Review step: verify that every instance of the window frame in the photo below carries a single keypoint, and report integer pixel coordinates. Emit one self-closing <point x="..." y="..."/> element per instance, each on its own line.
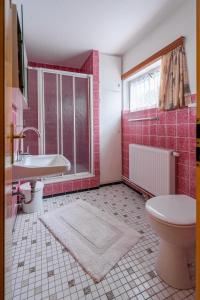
<point x="136" y="75"/>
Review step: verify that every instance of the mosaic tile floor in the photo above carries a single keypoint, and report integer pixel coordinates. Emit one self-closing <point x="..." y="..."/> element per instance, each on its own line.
<point x="43" y="269"/>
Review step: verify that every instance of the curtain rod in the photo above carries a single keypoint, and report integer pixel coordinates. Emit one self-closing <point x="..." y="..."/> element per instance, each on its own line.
<point x="154" y="57"/>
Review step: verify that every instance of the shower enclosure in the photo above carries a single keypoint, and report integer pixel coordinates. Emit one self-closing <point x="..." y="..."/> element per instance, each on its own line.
<point x="65" y="118"/>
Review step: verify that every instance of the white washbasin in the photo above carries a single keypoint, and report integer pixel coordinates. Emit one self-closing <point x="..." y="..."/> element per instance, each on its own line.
<point x="37" y="166"/>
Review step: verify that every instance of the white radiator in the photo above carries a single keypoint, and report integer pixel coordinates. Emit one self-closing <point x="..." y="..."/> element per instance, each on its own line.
<point x="152" y="169"/>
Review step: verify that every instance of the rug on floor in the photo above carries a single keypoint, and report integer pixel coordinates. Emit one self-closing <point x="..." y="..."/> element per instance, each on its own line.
<point x="96" y="239"/>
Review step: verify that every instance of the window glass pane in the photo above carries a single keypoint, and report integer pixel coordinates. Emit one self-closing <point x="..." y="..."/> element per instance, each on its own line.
<point x="144" y="88"/>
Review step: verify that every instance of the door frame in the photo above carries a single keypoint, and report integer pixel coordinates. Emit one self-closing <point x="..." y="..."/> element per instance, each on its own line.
<point x="6" y="134"/>
<point x="2" y="149"/>
<point x="198" y="167"/>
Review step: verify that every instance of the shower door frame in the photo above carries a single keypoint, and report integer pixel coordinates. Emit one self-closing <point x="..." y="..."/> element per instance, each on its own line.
<point x="41" y="120"/>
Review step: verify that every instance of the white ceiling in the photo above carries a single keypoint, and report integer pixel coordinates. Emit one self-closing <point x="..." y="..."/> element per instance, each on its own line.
<point x="63" y="31"/>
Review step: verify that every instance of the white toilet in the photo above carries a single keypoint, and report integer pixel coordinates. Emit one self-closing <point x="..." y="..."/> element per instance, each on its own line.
<point x="173" y="218"/>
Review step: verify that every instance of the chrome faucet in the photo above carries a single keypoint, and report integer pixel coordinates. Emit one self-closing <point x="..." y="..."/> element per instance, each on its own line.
<point x="21" y="134"/>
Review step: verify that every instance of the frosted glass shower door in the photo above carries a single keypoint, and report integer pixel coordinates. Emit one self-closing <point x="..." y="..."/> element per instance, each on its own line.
<point x="82" y="130"/>
<point x="64" y="118"/>
<point x="67" y="119"/>
<point x="51" y="127"/>
<point x="75" y="122"/>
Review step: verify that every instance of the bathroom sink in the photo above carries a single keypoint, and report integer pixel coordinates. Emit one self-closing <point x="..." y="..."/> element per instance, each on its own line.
<point x="38" y="166"/>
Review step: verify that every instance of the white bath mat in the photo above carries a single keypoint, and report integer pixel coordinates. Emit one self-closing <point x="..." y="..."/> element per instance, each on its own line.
<point x="96" y="240"/>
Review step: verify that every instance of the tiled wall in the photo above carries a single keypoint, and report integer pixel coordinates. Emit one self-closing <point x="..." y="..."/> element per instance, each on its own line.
<point x="175" y="129"/>
<point x="30" y="115"/>
<point x="18" y="104"/>
<point x="91" y="66"/>
<point x="53" y="67"/>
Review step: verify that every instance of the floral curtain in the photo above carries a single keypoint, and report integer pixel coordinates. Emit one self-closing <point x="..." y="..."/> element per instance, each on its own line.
<point x="174" y="84"/>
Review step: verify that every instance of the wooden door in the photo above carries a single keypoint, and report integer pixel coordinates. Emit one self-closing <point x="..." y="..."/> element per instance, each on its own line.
<point x="5" y="148"/>
<point x="198" y="156"/>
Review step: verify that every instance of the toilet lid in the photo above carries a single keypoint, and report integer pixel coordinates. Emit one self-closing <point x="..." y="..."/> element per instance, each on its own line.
<point x="175" y="209"/>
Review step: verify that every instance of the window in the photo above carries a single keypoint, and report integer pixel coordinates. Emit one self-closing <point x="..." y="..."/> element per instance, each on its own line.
<point x="143" y="88"/>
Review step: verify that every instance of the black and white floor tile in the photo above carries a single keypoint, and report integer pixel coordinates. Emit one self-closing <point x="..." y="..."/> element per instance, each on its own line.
<point x="43" y="269"/>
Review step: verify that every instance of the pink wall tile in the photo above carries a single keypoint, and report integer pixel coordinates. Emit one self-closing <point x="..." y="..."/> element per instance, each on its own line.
<point x="161" y="130"/>
<point x="193" y="188"/>
<point x="192" y="144"/>
<point x="54" y="67"/>
<point x="77" y="185"/>
<point x="174" y="130"/>
<point x="171" y="117"/>
<point x="146" y="140"/>
<point x="182" y="115"/>
<point x="182" y="144"/>
<point x="192" y="130"/>
<point x="182" y="130"/>
<point x="183" y="186"/>
<point x="192" y="159"/>
<point x="184" y="158"/>
<point x="170" y="142"/>
<point x="57" y="188"/>
<point x="67" y="186"/>
<point x="183" y="170"/>
<point x="153" y="130"/>
<point x="153" y="140"/>
<point x="145" y="130"/>
<point x="192" y="115"/>
<point x="48" y="190"/>
<point x="192" y="175"/>
<point x="161" y="141"/>
<point x="162" y="118"/>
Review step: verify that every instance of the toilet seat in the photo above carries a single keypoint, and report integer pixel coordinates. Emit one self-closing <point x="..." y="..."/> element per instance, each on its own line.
<point x="173" y="209"/>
